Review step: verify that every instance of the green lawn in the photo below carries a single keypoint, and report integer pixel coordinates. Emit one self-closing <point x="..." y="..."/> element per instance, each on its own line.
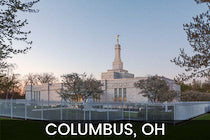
<point x="198" y="128"/>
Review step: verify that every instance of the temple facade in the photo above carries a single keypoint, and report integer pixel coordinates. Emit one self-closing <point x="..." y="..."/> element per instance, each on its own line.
<point x="118" y="85"/>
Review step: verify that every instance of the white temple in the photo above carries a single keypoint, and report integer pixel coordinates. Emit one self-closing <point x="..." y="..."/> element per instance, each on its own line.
<point x="118" y="85"/>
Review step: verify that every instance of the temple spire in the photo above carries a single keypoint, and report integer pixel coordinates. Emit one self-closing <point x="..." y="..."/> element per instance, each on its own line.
<point x="117" y="64"/>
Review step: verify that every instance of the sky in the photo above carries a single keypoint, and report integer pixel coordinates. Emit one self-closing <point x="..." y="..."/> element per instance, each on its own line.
<point x="79" y="36"/>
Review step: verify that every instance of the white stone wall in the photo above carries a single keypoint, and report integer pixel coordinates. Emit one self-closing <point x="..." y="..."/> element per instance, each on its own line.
<point x="43" y="89"/>
<point x="116" y="74"/>
<point x="132" y="93"/>
<point x="107" y="75"/>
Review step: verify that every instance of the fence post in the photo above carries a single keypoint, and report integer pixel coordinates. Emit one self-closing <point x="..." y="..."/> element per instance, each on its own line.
<point x="174" y="111"/>
<point x="146" y="112"/>
<point x="107" y="113"/>
<point x="89" y="112"/>
<point x="11" y="104"/>
<point x="166" y="107"/>
<point x="122" y="113"/>
<point x="42" y="113"/>
<point x="84" y="108"/>
<point x="25" y="109"/>
<point x="129" y="110"/>
<point x="61" y="110"/>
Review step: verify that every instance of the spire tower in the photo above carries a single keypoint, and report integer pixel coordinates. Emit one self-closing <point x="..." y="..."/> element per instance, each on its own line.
<point x="117" y="64"/>
<point x="117" y="71"/>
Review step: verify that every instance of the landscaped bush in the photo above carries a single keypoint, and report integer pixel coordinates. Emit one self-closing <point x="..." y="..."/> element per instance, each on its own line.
<point x="195" y="96"/>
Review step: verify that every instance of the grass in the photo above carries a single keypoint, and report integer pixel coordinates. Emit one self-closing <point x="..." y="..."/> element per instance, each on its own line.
<point x="205" y="117"/>
<point x="132" y="114"/>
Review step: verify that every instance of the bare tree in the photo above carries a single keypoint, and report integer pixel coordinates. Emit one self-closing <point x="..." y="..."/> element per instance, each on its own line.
<point x="8" y="84"/>
<point x="155" y="89"/>
<point x="80" y="86"/>
<point x="46" y="78"/>
<point x="92" y="88"/>
<point x="31" y="79"/>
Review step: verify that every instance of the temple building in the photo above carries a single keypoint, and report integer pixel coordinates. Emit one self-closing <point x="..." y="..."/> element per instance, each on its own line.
<point x="118" y="85"/>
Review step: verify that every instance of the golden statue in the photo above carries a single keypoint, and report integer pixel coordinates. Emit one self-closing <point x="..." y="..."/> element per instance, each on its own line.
<point x="118" y="38"/>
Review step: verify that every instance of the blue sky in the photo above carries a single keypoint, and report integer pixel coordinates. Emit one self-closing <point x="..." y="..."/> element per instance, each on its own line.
<point x="79" y="36"/>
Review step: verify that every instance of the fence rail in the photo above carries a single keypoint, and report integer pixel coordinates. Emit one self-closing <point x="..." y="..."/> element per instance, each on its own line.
<point x="106" y="111"/>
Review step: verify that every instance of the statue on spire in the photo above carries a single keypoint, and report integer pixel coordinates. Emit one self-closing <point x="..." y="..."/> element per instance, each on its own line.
<point x="118" y="39"/>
